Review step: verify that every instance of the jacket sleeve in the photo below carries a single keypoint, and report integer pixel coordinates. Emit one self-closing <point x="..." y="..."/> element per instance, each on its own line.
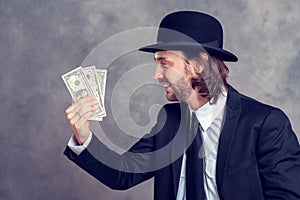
<point x="278" y="156"/>
<point x="109" y="167"/>
<point x="129" y="169"/>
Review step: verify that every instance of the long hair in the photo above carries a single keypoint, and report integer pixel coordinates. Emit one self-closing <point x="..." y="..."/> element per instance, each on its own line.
<point x="213" y="79"/>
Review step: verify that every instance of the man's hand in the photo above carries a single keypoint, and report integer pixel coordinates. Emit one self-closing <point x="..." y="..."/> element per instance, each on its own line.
<point x="78" y="114"/>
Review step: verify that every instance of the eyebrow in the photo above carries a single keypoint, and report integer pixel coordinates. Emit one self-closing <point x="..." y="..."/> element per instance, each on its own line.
<point x="159" y="58"/>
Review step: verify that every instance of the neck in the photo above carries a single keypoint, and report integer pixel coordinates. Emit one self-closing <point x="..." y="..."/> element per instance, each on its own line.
<point x="195" y="101"/>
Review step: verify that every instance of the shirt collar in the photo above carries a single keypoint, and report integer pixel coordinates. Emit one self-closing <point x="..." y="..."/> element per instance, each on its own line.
<point x="207" y="113"/>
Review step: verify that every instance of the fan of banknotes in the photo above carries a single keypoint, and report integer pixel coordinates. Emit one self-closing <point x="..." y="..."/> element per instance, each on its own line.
<point x="88" y="81"/>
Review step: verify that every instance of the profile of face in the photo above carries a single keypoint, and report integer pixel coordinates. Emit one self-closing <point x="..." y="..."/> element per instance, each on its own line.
<point x="174" y="74"/>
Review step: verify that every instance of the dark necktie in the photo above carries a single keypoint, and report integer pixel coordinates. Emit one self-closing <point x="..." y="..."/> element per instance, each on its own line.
<point x="194" y="164"/>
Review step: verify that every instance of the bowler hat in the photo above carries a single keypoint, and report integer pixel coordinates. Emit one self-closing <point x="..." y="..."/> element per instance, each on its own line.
<point x="185" y="30"/>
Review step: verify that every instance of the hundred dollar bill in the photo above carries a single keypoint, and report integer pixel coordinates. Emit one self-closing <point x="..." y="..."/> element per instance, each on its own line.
<point x="79" y="87"/>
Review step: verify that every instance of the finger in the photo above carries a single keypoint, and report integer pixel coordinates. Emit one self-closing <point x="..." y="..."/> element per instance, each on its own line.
<point x="75" y="116"/>
<point x="73" y="109"/>
<point x="79" y="102"/>
<point x="84" y="118"/>
<point x="81" y="124"/>
<point x="81" y="128"/>
<point x="87" y="107"/>
<point x="80" y="110"/>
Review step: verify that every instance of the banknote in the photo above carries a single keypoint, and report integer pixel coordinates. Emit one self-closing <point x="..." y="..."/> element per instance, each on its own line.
<point x="90" y="73"/>
<point x="79" y="87"/>
<point x="101" y="80"/>
<point x="101" y="76"/>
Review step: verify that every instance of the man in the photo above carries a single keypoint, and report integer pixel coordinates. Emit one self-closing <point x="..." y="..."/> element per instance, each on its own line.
<point x="230" y="146"/>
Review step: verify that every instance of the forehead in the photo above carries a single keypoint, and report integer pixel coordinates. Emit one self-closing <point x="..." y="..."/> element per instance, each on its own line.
<point x="168" y="55"/>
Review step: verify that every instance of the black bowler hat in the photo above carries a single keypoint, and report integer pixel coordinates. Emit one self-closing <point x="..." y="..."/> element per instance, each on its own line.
<point x="185" y="30"/>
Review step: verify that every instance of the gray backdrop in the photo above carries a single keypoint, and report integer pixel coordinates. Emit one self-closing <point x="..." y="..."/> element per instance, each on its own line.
<point x="41" y="40"/>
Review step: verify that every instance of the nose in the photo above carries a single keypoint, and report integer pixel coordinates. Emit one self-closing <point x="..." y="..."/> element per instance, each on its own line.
<point x="158" y="74"/>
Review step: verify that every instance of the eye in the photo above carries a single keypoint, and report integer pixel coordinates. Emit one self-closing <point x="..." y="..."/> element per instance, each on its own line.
<point x="164" y="64"/>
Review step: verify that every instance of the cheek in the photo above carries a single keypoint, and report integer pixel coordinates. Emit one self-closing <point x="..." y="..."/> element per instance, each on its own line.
<point x="173" y="75"/>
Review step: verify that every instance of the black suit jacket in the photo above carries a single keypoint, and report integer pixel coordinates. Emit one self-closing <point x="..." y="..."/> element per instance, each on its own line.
<point x="258" y="154"/>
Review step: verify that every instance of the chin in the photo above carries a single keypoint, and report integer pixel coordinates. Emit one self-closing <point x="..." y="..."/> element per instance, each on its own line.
<point x="171" y="97"/>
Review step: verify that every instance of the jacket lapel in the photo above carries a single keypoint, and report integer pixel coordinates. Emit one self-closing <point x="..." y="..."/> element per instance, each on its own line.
<point x="233" y="107"/>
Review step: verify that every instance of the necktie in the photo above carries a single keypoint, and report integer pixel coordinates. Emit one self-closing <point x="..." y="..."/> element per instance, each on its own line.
<point x="194" y="164"/>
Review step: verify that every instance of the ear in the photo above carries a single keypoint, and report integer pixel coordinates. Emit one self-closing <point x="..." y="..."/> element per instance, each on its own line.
<point x="204" y="57"/>
<point x="195" y="68"/>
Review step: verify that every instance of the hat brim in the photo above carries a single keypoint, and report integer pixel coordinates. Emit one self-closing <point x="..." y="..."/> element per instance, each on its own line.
<point x="221" y="53"/>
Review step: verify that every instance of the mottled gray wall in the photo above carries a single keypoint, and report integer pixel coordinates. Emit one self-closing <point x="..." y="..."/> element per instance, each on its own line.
<point x="40" y="40"/>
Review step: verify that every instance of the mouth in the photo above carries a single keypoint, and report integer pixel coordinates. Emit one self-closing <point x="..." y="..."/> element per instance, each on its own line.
<point x="165" y="84"/>
<point x="167" y="87"/>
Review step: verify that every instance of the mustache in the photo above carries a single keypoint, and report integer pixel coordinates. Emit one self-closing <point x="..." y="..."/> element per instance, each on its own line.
<point x="198" y="83"/>
<point x="164" y="82"/>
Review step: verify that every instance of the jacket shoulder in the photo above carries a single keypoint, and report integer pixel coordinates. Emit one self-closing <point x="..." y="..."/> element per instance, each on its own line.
<point x="253" y="109"/>
<point x="253" y="106"/>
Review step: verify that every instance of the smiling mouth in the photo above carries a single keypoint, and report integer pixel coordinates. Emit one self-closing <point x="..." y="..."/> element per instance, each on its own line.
<point x="165" y="84"/>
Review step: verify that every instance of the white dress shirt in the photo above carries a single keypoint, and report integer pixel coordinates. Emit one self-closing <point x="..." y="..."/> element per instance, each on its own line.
<point x="79" y="148"/>
<point x="210" y="117"/>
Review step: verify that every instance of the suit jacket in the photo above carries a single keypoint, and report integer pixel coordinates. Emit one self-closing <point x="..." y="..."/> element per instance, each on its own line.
<point x="258" y="154"/>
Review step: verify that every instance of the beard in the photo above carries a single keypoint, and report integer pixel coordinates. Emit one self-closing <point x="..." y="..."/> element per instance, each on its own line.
<point x="179" y="91"/>
<point x="182" y="89"/>
<point x="171" y="96"/>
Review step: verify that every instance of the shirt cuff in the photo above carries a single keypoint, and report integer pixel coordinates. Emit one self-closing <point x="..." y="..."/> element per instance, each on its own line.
<point x="77" y="149"/>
